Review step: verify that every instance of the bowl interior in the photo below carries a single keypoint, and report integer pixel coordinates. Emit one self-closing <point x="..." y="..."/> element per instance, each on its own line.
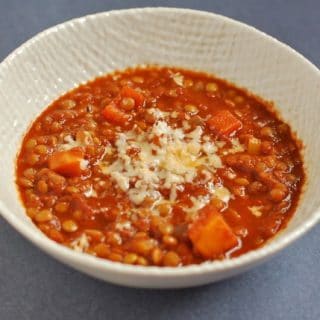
<point x="61" y="58"/>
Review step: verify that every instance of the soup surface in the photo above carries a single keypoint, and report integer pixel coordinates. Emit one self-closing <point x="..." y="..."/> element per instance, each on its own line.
<point x="160" y="166"/>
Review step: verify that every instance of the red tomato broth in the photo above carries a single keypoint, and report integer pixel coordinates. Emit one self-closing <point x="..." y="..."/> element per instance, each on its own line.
<point x="87" y="209"/>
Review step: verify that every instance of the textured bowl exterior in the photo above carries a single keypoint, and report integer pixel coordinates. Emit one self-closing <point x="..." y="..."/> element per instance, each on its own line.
<point x="60" y="58"/>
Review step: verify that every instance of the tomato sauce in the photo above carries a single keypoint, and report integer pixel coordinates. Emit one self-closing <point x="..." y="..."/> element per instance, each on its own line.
<point x="160" y="166"/>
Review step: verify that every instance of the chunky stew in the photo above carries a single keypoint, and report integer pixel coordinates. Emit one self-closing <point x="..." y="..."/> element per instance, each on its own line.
<point x="160" y="166"/>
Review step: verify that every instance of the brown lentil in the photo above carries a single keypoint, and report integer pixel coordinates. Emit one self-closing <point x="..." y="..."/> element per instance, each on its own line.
<point x="69" y="226"/>
<point x="130" y="258"/>
<point x="61" y="207"/>
<point x="266" y="132"/>
<point x="31" y="143"/>
<point x="43" y="216"/>
<point x="102" y="250"/>
<point x="29" y="173"/>
<point x="211" y="86"/>
<point x="31" y="212"/>
<point x="165" y="228"/>
<point x="241" y="181"/>
<point x="115" y="257"/>
<point x="142" y="246"/>
<point x="142" y="261"/>
<point x="95" y="235"/>
<point x="24" y="182"/>
<point x="169" y="241"/>
<point x="260" y="167"/>
<point x="68" y="104"/>
<point x="41" y="149"/>
<point x="157" y="256"/>
<point x="127" y="104"/>
<point x="42" y="186"/>
<point x="277" y="194"/>
<point x="171" y="259"/>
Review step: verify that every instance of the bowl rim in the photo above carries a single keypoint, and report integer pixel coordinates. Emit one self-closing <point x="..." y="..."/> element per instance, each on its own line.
<point x="75" y="258"/>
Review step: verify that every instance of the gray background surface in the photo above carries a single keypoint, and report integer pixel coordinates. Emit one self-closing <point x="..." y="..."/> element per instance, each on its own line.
<point x="34" y="286"/>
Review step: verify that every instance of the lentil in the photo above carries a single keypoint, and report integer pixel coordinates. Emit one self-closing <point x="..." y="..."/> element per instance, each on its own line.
<point x="130" y="258"/>
<point x="42" y="186"/>
<point x="68" y="104"/>
<point x="41" y="149"/>
<point x="225" y="162"/>
<point x="115" y="257"/>
<point x="69" y="226"/>
<point x="31" y="143"/>
<point x="43" y="216"/>
<point x="266" y="132"/>
<point x="212" y="87"/>
<point x="95" y="235"/>
<point x="127" y="104"/>
<point x="191" y="108"/>
<point x="142" y="261"/>
<point x="61" y="207"/>
<point x="101" y="250"/>
<point x="171" y="259"/>
<point x="29" y="173"/>
<point x="157" y="256"/>
<point x="169" y="241"/>
<point x="24" y="182"/>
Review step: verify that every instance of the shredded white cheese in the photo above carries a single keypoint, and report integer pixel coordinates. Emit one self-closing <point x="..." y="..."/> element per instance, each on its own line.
<point x="157" y="113"/>
<point x="90" y="193"/>
<point x="167" y="158"/>
<point x="178" y="79"/>
<point x="71" y="143"/>
<point x="256" y="210"/>
<point x="80" y="244"/>
<point x="236" y="147"/>
<point x="222" y="193"/>
<point x="126" y="225"/>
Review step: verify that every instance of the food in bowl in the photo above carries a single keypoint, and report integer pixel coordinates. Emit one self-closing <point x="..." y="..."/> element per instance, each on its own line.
<point x="160" y="166"/>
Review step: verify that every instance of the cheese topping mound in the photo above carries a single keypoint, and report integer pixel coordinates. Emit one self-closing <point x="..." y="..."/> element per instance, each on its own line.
<point x="146" y="163"/>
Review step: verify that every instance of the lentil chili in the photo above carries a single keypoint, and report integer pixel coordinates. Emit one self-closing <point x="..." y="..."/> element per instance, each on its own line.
<point x="160" y="166"/>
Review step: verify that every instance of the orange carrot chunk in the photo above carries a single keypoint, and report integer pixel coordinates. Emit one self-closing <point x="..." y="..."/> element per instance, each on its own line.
<point x="113" y="114"/>
<point x="127" y="92"/>
<point x="210" y="235"/>
<point x="68" y="163"/>
<point x="224" y="123"/>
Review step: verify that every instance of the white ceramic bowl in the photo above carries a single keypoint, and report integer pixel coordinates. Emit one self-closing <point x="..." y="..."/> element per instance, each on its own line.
<point x="60" y="58"/>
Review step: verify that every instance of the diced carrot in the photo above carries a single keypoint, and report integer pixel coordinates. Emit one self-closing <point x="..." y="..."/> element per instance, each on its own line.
<point x="113" y="114"/>
<point x="224" y="123"/>
<point x="68" y="163"/>
<point x="127" y="92"/>
<point x="210" y="235"/>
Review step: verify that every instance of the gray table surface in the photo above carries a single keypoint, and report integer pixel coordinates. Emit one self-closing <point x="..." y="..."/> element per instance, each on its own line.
<point x="34" y="286"/>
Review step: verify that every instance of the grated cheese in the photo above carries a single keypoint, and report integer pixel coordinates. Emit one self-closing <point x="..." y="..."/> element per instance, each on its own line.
<point x="80" y="244"/>
<point x="178" y="78"/>
<point x="84" y="164"/>
<point x="169" y="163"/>
<point x="256" y="210"/>
<point x="222" y="193"/>
<point x="236" y="147"/>
<point x="90" y="193"/>
<point x="71" y="143"/>
<point x="158" y="114"/>
<point x="174" y="114"/>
